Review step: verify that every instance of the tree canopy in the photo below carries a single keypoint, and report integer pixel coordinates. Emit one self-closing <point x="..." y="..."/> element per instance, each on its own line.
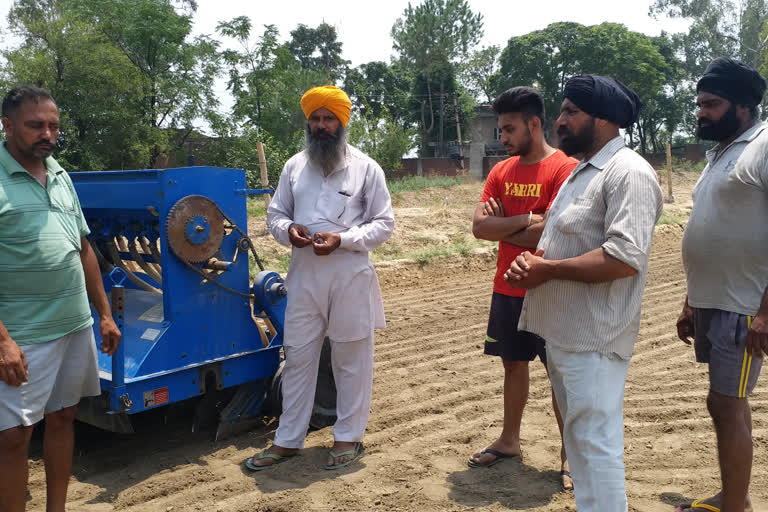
<point x="136" y="87"/>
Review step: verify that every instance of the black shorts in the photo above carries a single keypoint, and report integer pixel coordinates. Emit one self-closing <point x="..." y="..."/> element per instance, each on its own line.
<point x="503" y="339"/>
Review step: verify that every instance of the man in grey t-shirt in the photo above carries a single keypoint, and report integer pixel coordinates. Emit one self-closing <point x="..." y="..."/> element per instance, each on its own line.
<point x="725" y="249"/>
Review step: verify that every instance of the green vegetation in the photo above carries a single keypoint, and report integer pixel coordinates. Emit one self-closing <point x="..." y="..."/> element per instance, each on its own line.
<point x="425" y="256"/>
<point x="256" y="207"/>
<point x="279" y="264"/>
<point x="671" y="219"/>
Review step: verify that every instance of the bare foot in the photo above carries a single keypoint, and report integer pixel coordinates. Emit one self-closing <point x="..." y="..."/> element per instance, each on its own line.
<point x="714" y="501"/>
<point x="259" y="459"/>
<point x="508" y="449"/>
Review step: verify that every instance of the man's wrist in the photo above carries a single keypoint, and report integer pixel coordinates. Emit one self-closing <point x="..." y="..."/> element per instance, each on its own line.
<point x="550" y="269"/>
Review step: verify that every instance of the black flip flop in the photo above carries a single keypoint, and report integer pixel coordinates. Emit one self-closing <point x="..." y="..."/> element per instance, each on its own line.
<point x="496" y="453"/>
<point x="565" y="472"/>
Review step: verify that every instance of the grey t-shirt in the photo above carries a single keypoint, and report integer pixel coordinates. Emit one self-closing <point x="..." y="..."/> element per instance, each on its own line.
<point x="725" y="245"/>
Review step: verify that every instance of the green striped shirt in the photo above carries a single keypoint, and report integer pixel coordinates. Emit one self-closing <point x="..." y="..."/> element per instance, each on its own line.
<point x="42" y="284"/>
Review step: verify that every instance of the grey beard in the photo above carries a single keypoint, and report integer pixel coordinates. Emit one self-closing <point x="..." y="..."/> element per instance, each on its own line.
<point x="327" y="150"/>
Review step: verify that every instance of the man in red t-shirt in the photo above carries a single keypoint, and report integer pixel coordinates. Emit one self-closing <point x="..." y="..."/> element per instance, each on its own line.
<point x="516" y="197"/>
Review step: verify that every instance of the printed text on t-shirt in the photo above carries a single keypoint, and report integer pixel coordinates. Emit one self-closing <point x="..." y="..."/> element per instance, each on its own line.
<point x="522" y="189"/>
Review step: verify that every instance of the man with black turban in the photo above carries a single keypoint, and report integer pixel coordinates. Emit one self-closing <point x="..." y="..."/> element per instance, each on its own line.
<point x="725" y="253"/>
<point x="585" y="282"/>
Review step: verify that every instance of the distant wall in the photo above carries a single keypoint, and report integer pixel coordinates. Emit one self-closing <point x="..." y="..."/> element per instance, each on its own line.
<point x="433" y="167"/>
<point x="450" y="166"/>
<point x="489" y="162"/>
<point x="693" y="153"/>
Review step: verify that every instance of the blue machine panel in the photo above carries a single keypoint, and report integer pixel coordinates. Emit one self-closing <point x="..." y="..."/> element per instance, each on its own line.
<point x="180" y="332"/>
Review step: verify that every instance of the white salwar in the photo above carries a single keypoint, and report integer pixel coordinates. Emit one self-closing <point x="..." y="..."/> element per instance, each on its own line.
<point x="336" y="295"/>
<point x="589" y="388"/>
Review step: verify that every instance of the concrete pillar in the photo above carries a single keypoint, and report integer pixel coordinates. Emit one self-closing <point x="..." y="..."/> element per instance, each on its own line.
<point x="476" y="155"/>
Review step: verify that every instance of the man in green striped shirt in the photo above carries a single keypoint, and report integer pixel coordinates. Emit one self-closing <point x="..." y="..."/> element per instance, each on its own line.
<point x="48" y="271"/>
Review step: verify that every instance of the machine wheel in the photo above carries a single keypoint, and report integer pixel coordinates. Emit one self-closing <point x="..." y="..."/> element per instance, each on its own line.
<point x="324" y="409"/>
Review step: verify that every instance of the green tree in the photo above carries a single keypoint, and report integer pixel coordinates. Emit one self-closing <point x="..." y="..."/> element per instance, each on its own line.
<point x="547" y="58"/>
<point x="267" y="82"/>
<point x="381" y="139"/>
<point x="431" y="39"/>
<point x="318" y="49"/>
<point x="476" y="75"/>
<point x="239" y="151"/>
<point x="251" y="70"/>
<point x="178" y="71"/>
<point x="379" y="89"/>
<point x="718" y="28"/>
<point x="101" y="114"/>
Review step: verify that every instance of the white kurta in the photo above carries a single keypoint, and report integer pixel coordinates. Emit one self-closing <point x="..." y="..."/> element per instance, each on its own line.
<point x="337" y="295"/>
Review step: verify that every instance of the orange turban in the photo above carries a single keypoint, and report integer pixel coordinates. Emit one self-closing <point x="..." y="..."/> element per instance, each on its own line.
<point x="330" y="97"/>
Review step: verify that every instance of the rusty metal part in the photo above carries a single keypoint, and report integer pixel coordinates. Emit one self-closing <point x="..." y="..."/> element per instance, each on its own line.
<point x="215" y="264"/>
<point x="151" y="272"/>
<point x="182" y="215"/>
<point x="118" y="261"/>
<point x="151" y="249"/>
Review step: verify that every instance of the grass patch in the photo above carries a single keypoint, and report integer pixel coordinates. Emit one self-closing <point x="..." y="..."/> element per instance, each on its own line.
<point x="415" y="183"/>
<point x="425" y="256"/>
<point x="670" y="219"/>
<point x="386" y="252"/>
<point x="463" y="249"/>
<point x="255" y="207"/>
<point x="279" y="264"/>
<point x="683" y="165"/>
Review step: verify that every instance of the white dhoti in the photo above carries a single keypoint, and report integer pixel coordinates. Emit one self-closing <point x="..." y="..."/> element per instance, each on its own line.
<point x="336" y="296"/>
<point x="352" y="363"/>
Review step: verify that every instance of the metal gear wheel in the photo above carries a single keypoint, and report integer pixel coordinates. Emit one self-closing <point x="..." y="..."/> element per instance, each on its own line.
<point x="194" y="228"/>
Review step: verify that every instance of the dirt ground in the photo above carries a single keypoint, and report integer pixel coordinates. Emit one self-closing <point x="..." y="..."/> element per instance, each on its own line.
<point x="436" y="400"/>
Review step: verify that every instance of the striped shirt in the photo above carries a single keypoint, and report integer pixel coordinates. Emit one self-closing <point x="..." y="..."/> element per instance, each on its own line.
<point x="42" y="284"/>
<point x="611" y="201"/>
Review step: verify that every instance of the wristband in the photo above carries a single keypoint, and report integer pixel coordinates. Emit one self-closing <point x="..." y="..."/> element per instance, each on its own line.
<point x="530" y="217"/>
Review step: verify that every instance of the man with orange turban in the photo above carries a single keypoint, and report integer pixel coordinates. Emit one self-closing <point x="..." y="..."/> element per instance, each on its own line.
<point x="333" y="207"/>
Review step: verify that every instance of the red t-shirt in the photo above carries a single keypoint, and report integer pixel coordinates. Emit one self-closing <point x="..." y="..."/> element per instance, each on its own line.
<point x="524" y="188"/>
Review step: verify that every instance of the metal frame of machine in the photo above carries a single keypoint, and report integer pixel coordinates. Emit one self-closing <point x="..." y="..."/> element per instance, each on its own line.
<point x="175" y="256"/>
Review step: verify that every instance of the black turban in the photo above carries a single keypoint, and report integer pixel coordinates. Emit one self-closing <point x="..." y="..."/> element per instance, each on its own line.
<point x="604" y="97"/>
<point x="734" y="81"/>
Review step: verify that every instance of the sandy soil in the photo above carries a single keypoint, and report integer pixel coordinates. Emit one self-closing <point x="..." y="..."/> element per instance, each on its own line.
<point x="436" y="400"/>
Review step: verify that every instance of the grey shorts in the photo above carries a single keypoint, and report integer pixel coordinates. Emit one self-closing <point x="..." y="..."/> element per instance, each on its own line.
<point x="721" y="340"/>
<point x="61" y="372"/>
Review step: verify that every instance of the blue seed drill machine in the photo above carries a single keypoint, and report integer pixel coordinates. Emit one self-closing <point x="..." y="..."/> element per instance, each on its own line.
<point x="174" y="255"/>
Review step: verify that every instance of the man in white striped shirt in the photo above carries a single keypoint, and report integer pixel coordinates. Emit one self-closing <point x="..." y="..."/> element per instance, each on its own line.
<point x="585" y="282"/>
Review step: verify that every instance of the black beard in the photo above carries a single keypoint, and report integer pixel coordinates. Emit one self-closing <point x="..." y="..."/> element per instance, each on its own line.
<point x="525" y="146"/>
<point x="575" y="143"/>
<point x="326" y="149"/>
<point x="723" y="128"/>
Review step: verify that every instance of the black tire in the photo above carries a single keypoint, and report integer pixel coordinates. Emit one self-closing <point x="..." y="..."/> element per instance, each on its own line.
<point x="324" y="408"/>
